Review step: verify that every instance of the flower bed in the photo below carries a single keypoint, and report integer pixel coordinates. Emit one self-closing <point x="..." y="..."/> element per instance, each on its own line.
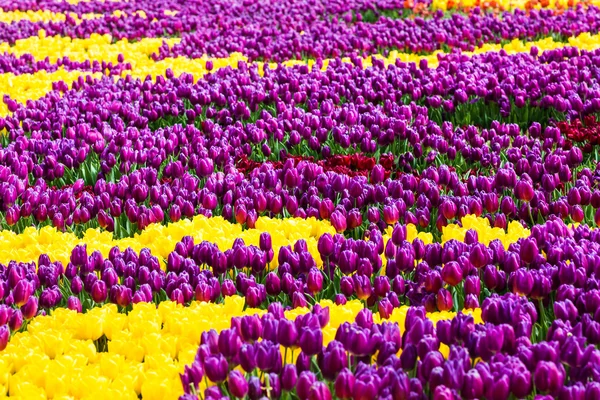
<point x="299" y="200"/>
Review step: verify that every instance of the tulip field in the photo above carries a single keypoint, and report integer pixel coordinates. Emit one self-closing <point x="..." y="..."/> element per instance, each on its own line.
<point x="300" y="199"/>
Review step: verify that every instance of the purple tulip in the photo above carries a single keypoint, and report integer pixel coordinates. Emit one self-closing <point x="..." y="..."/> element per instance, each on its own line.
<point x="237" y="384"/>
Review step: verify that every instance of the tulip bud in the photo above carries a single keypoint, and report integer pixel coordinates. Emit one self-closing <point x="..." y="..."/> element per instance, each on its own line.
<point x="338" y="220"/>
<point x="241" y="214"/>
<point x="74" y="304"/>
<point x="319" y="391"/>
<point x="216" y="368"/>
<point x="311" y="341"/>
<point x="325" y="245"/>
<point x="289" y="377"/>
<point x="304" y="383"/>
<point x="472" y="285"/>
<point x="22" y="292"/>
<point x="273" y="284"/>
<point x="237" y="384"/>
<point x="340" y="299"/>
<point x="479" y="255"/>
<point x="385" y="308"/>
<point x="529" y="250"/>
<point x="344" y="384"/>
<point x="30" y="308"/>
<point x="377" y="174"/>
<point x="444" y="300"/>
<point x="4" y="336"/>
<point x="452" y="274"/>
<point x="228" y="288"/>
<point x="399" y="234"/>
<point x="99" y="291"/>
<point x="76" y="285"/>
<point x="15" y="321"/>
<point x="314" y="281"/>
<point x="362" y="286"/>
<point x="354" y="219"/>
<point x="265" y="241"/>
<point x="390" y="214"/>
<point x="548" y="378"/>
<point x="524" y="190"/>
<point x="373" y="215"/>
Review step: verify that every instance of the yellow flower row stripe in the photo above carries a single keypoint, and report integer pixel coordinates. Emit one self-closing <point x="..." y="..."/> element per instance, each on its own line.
<point x="95" y="48"/>
<point x="485" y="233"/>
<point x="42" y="16"/>
<point x="161" y="239"/>
<point x="50" y="16"/>
<point x="147" y="349"/>
<point x="34" y="86"/>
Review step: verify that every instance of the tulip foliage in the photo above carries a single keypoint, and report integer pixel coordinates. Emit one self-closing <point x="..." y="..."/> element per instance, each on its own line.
<point x="293" y="199"/>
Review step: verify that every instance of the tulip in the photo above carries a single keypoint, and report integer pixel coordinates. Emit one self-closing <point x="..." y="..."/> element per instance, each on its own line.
<point x="479" y="256"/>
<point x="4" y="336"/>
<point x="340" y="299"/>
<point x="311" y="341"/>
<point x="289" y="377"/>
<point x="448" y="209"/>
<point x="390" y="214"/>
<point x="228" y="288"/>
<point x="272" y="284"/>
<point x="472" y="285"/>
<point x="442" y="393"/>
<point x="377" y="174"/>
<point x="408" y="357"/>
<point x="325" y="245"/>
<point x="268" y="356"/>
<point x="373" y="215"/>
<point x="398" y="234"/>
<point x="522" y="282"/>
<point x="319" y="391"/>
<point x="548" y="378"/>
<point x="21" y="292"/>
<point x="99" y="292"/>
<point x="529" y="250"/>
<point x="229" y="343"/>
<point x="362" y="286"/>
<point x="15" y="321"/>
<point x="473" y="385"/>
<point x="444" y="300"/>
<point x="216" y="368"/>
<point x="344" y="384"/>
<point x="385" y="308"/>
<point x="298" y="300"/>
<point x="524" y="191"/>
<point x="305" y="382"/>
<point x="366" y="386"/>
<point x="471" y="302"/>
<point x="265" y="241"/>
<point x="452" y="273"/>
<point x="314" y="281"/>
<point x="192" y="376"/>
<point x="29" y="309"/>
<point x="338" y="220"/>
<point x="247" y="357"/>
<point x="237" y="384"/>
<point x="253" y="297"/>
<point x="74" y="304"/>
<point x="250" y="328"/>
